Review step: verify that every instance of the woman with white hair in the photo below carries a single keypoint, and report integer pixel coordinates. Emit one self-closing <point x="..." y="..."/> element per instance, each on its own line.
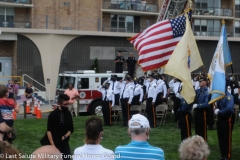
<point x="194" y="148"/>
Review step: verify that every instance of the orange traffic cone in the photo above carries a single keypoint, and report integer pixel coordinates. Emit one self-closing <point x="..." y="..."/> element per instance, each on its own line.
<point x="14" y="114"/>
<point x="39" y="113"/>
<point x="28" y="108"/>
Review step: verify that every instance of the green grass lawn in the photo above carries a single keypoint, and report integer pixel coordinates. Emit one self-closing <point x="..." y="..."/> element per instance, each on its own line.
<point x="167" y="137"/>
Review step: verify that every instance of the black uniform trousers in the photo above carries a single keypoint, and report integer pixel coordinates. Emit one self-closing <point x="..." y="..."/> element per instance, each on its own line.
<point x="135" y="101"/>
<point x="118" y="69"/>
<point x="107" y="111"/>
<point x="65" y="149"/>
<point x="151" y="115"/>
<point x="224" y="131"/>
<point x="210" y="119"/>
<point x="185" y="120"/>
<point x="117" y="97"/>
<point x="176" y="106"/>
<point x="200" y="120"/>
<point x="131" y="71"/>
<point x="125" y="111"/>
<point x="159" y="99"/>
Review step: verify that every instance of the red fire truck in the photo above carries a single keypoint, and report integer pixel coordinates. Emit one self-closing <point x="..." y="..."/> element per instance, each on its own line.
<point x="87" y="83"/>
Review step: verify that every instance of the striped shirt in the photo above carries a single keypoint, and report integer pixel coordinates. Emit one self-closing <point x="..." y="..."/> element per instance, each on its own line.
<point x="139" y="150"/>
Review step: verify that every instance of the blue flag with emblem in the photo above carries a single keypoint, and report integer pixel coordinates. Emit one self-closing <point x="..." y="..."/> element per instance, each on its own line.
<point x="216" y="73"/>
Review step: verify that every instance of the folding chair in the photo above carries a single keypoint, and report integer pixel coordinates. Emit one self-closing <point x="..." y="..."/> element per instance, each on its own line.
<point x="161" y="113"/>
<point x="170" y="104"/>
<point x="143" y="106"/>
<point x="116" y="115"/>
<point x="136" y="108"/>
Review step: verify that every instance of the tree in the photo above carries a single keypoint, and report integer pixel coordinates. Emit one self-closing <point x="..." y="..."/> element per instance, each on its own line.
<point x="95" y="65"/>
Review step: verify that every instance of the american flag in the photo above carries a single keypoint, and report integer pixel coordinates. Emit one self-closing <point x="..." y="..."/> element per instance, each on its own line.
<point x="156" y="44"/>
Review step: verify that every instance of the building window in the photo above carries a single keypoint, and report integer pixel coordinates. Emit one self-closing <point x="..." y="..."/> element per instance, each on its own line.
<point x="237" y="8"/>
<point x="207" y="27"/>
<point x="124" y="23"/>
<point x="7" y="14"/>
<point x="237" y="28"/>
<point x="207" y="4"/>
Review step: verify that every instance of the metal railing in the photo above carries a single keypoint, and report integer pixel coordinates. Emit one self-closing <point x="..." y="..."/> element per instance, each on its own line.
<point x="6" y="78"/>
<point x="47" y="90"/>
<point x="17" y="1"/>
<point x="130" y="5"/>
<point x="211" y="11"/>
<point x="15" y="24"/>
<point x="211" y="33"/>
<point x="123" y="30"/>
<point x="237" y="14"/>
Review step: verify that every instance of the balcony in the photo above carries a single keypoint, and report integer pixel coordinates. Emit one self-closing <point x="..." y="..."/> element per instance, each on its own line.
<point x="123" y="30"/>
<point x="214" y="33"/>
<point x="129" y="7"/>
<point x="16" y="3"/>
<point x="213" y="13"/>
<point x="237" y="14"/>
<point x="15" y="24"/>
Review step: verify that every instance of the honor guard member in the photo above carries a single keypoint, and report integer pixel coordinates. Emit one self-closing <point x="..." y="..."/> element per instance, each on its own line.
<point x="107" y="102"/>
<point x="162" y="91"/>
<point x="126" y="100"/>
<point x="185" y="117"/>
<point x="224" y="111"/>
<point x="119" y="60"/>
<point x="151" y="98"/>
<point x="177" y="87"/>
<point x="116" y="87"/>
<point x="200" y="107"/>
<point x="137" y="92"/>
<point x="131" y="64"/>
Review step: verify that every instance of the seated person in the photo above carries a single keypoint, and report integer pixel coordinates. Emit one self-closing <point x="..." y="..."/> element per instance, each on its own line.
<point x="6" y="107"/>
<point x="92" y="150"/>
<point x="194" y="148"/>
<point x="139" y="129"/>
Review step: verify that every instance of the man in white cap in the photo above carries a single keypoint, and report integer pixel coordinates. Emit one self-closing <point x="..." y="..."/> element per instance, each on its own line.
<point x="139" y="148"/>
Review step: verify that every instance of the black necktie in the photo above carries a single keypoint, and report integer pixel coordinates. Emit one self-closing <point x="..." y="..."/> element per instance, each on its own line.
<point x="123" y="90"/>
<point x="105" y="96"/>
<point x="113" y="86"/>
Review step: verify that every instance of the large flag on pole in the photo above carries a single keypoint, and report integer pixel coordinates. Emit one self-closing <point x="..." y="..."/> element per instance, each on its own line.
<point x="185" y="59"/>
<point x="156" y="44"/>
<point x="216" y="73"/>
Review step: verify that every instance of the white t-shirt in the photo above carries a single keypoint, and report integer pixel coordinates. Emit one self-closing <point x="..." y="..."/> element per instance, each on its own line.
<point x="93" y="152"/>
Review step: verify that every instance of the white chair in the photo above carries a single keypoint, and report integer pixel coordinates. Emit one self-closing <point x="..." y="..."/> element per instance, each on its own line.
<point x="197" y="33"/>
<point x="161" y="113"/>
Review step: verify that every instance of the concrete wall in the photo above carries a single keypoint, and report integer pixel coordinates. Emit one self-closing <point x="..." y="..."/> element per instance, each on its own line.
<point x="67" y="14"/>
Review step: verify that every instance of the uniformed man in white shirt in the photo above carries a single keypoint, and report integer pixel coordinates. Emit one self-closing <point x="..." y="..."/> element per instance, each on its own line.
<point x="137" y="92"/>
<point x="161" y="90"/>
<point x="151" y="98"/>
<point x="126" y="100"/>
<point x="116" y="87"/>
<point x="108" y="101"/>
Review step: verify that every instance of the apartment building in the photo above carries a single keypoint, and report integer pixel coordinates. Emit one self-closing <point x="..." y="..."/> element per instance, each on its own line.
<point x="41" y="38"/>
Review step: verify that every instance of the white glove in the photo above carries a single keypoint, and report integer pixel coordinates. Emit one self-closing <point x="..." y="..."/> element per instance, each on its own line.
<point x="216" y="111"/>
<point x="178" y="96"/>
<point x="108" y="79"/>
<point x="194" y="106"/>
<point x="173" y="112"/>
<point x="235" y="91"/>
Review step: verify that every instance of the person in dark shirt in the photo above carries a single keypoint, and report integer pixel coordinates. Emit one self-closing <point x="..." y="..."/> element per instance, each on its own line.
<point x="60" y="127"/>
<point x="131" y="64"/>
<point x="119" y="60"/>
<point x="28" y="91"/>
